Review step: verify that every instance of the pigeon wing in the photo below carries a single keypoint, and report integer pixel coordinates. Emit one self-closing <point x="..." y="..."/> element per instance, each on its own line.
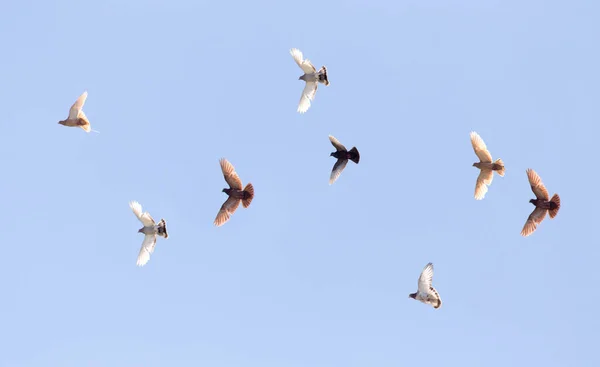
<point x="338" y="146"/>
<point x="483" y="180"/>
<point x="337" y="169"/>
<point x="231" y="177"/>
<point x="146" y="250"/>
<point x="480" y="148"/>
<point x="305" y="65"/>
<point x="145" y="218"/>
<point x="308" y="94"/>
<point x="536" y="217"/>
<point x="227" y="209"/>
<point x="425" y="279"/>
<point x="77" y="106"/>
<point x="537" y="186"/>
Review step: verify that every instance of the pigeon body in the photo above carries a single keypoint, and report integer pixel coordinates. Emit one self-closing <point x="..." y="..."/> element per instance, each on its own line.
<point x="150" y="231"/>
<point x="426" y="293"/>
<point x="342" y="155"/>
<point x="76" y="116"/>
<point x="543" y="204"/>
<point x="486" y="166"/>
<point x="311" y="76"/>
<point x="235" y="193"/>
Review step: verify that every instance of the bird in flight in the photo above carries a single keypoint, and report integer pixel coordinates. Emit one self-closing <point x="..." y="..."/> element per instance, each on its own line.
<point x="426" y="293"/>
<point x="235" y="193"/>
<point x="76" y="116"/>
<point x="542" y="204"/>
<point x="342" y="155"/>
<point x="486" y="166"/>
<point x="150" y="230"/>
<point x="311" y="76"/>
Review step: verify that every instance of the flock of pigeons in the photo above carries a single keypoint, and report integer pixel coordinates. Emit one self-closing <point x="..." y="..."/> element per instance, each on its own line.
<point x="237" y="193"/>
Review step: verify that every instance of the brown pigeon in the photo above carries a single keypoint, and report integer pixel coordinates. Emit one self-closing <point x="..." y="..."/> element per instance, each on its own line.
<point x="542" y="204"/>
<point x="76" y="116"/>
<point x="486" y="166"/>
<point x="235" y="192"/>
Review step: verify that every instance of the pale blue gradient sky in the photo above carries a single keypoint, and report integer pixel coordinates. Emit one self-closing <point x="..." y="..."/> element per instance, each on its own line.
<point x="311" y="274"/>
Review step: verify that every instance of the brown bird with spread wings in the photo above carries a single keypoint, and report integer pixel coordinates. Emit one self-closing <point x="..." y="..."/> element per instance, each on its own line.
<point x="235" y="192"/>
<point x="542" y="204"/>
<point x="486" y="166"/>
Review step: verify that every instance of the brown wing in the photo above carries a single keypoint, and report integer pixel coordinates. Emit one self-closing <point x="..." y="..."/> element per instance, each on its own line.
<point x="227" y="209"/>
<point x="536" y="217"/>
<point x="537" y="186"/>
<point x="231" y="177"/>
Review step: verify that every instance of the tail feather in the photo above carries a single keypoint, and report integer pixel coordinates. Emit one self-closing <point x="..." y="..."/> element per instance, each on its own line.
<point x="354" y="155"/>
<point x="162" y="229"/>
<point x="500" y="163"/>
<point x="556" y="200"/>
<point x="323" y="75"/>
<point x="248" y="195"/>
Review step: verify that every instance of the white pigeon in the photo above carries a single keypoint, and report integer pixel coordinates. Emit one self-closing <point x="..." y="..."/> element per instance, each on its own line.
<point x="150" y="230"/>
<point x="426" y="293"/>
<point x="76" y="116"/>
<point x="311" y="76"/>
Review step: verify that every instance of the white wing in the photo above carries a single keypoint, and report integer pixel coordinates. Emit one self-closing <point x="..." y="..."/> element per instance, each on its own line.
<point x="77" y="106"/>
<point x="145" y="218"/>
<point x="147" y="249"/>
<point x="305" y="65"/>
<point x="308" y="94"/>
<point x="425" y="279"/>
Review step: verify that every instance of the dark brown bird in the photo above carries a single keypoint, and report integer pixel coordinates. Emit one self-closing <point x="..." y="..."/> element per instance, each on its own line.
<point x="342" y="155"/>
<point x="235" y="192"/>
<point x="542" y="204"/>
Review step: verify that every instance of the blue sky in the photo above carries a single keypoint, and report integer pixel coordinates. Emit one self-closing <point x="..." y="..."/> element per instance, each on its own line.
<point x="310" y="274"/>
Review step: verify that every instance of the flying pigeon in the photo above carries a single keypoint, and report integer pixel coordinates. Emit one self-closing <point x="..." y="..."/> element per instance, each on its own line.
<point x="542" y="205"/>
<point x="485" y="165"/>
<point x="342" y="155"/>
<point x="76" y="116"/>
<point x="426" y="293"/>
<point x="311" y="76"/>
<point x="235" y="192"/>
<point x="150" y="230"/>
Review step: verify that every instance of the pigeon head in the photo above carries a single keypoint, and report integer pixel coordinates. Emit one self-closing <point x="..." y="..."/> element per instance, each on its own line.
<point x="332" y="154"/>
<point x="227" y="191"/>
<point x="141" y="230"/>
<point x="533" y="201"/>
<point x="413" y="295"/>
<point x="62" y="122"/>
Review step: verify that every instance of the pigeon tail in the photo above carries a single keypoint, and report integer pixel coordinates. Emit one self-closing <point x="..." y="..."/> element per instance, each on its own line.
<point x="162" y="229"/>
<point x="354" y="155"/>
<point x="554" y="205"/>
<point x="323" y="75"/>
<point x="248" y="195"/>
<point x="501" y="164"/>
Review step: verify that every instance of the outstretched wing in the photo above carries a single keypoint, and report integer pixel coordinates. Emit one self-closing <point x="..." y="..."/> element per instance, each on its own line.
<point x="537" y="186"/>
<point x="483" y="180"/>
<point x="338" y="146"/>
<point x="425" y="279"/>
<point x="77" y="106"/>
<point x="480" y="148"/>
<point x="536" y="217"/>
<point x="337" y="169"/>
<point x="231" y="177"/>
<point x="145" y="218"/>
<point x="305" y="65"/>
<point x="227" y="209"/>
<point x="308" y="94"/>
<point x="146" y="250"/>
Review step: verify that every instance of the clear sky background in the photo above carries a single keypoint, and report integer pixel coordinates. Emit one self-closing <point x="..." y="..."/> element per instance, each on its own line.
<point x="311" y="274"/>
